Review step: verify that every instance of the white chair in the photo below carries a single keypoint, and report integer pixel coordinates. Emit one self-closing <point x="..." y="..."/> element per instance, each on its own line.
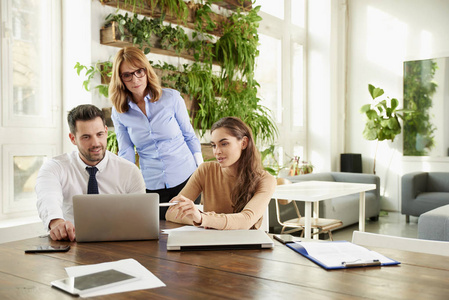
<point x="400" y="243"/>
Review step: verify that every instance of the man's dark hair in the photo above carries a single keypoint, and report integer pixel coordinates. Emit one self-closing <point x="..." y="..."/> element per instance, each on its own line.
<point x="84" y="112"/>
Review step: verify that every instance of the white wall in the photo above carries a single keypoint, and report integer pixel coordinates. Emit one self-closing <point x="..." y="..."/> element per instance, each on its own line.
<point x="382" y="35"/>
<point x="76" y="47"/>
<point x="325" y="83"/>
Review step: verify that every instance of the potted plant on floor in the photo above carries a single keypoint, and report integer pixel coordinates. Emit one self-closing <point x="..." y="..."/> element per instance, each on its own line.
<point x="382" y="118"/>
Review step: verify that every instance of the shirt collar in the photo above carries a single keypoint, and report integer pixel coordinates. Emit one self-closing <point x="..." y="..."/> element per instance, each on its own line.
<point x="100" y="166"/>
<point x="133" y="105"/>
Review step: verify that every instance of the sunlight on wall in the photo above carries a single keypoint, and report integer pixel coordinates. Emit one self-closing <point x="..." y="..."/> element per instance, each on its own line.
<point x="318" y="101"/>
<point x="426" y="44"/>
<point x="317" y="161"/>
<point x="393" y="34"/>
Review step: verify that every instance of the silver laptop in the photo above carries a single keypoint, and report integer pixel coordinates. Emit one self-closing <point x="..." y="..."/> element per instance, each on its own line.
<point x="120" y="217"/>
<point x="218" y="240"/>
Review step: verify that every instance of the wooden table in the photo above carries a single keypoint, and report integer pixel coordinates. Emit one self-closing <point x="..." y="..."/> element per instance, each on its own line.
<point x="278" y="273"/>
<point x="316" y="191"/>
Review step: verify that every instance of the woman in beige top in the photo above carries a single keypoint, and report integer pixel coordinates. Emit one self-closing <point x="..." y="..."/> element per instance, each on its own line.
<point x="236" y="189"/>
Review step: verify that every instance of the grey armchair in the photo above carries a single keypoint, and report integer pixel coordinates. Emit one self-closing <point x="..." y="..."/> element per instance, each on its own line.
<point x="423" y="191"/>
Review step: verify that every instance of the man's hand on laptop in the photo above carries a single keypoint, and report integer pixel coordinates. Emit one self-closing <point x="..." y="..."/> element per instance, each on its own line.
<point x="62" y="230"/>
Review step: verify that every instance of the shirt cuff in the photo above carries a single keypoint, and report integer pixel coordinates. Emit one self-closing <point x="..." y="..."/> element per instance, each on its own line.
<point x="198" y="158"/>
<point x="49" y="219"/>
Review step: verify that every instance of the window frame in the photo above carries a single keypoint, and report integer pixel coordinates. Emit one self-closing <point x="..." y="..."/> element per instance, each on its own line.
<point x="26" y="135"/>
<point x="291" y="136"/>
<point x="8" y="119"/>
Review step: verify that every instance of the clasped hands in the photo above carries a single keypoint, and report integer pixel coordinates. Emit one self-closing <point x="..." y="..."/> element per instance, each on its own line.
<point x="185" y="208"/>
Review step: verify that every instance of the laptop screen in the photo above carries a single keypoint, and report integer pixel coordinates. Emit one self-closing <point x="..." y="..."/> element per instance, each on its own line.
<point x="116" y="217"/>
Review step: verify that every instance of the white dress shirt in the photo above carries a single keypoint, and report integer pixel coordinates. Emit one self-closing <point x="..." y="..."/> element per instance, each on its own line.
<point x="65" y="175"/>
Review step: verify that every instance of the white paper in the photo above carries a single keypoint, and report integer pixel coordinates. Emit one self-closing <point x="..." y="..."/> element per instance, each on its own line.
<point x="147" y="279"/>
<point x="333" y="254"/>
<point x="184" y="228"/>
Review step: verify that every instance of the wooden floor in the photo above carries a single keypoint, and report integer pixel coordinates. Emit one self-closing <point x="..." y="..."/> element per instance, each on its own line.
<point x="393" y="223"/>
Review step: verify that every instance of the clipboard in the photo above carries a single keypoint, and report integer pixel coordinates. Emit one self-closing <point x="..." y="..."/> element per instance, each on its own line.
<point x="341" y="255"/>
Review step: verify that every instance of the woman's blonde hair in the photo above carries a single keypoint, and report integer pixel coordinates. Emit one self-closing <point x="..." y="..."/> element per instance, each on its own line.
<point x="250" y="169"/>
<point x="118" y="93"/>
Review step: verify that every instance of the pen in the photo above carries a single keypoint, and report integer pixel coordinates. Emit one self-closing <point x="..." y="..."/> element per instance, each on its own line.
<point x="374" y="262"/>
<point x="168" y="203"/>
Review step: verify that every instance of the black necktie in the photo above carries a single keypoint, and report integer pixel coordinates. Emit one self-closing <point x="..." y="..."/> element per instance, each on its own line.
<point x="92" y="186"/>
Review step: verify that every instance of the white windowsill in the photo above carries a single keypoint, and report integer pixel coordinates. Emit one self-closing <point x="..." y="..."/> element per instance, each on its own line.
<point x="20" y="228"/>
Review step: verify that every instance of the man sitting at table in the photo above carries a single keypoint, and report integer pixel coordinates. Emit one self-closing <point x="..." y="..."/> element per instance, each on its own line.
<point x="77" y="173"/>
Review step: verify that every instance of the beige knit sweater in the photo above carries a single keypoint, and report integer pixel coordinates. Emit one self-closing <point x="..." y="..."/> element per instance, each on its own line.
<point x="216" y="184"/>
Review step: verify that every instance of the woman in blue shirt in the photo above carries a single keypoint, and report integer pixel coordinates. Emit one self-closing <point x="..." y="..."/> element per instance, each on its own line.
<point x="155" y="121"/>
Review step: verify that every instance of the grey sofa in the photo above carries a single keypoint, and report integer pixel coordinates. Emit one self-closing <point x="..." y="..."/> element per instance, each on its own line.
<point x="344" y="208"/>
<point x="434" y="224"/>
<point x="423" y="191"/>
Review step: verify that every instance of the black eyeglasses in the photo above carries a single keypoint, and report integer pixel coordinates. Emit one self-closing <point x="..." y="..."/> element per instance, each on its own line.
<point x="139" y="73"/>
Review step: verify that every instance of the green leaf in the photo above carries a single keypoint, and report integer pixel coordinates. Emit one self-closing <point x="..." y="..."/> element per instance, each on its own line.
<point x="371" y="90"/>
<point x="271" y="171"/>
<point x="365" y="108"/>
<point x="369" y="134"/>
<point x="375" y="92"/>
<point x="372" y="114"/>
<point x="393" y="124"/>
<point x="394" y="103"/>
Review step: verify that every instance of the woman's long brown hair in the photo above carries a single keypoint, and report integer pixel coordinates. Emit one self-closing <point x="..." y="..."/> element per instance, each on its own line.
<point x="250" y="170"/>
<point x="118" y="93"/>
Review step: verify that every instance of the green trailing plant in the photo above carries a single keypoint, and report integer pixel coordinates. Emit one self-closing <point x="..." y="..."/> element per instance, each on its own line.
<point x="135" y="4"/>
<point x="242" y="101"/>
<point x="139" y="31"/>
<point x="203" y="86"/>
<point x="236" y="50"/>
<point x="419" y="87"/>
<point x="229" y="92"/>
<point x="269" y="161"/>
<point x="382" y="118"/>
<point x="176" y="8"/>
<point x="172" y="77"/>
<point x="203" y="21"/>
<point x="111" y="142"/>
<point x="104" y="69"/>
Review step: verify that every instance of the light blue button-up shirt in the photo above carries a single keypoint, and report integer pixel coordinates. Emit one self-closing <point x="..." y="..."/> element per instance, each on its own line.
<point x="165" y="140"/>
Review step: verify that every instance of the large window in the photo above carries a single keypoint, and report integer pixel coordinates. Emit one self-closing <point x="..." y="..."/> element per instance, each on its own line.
<point x="280" y="73"/>
<point x="30" y="98"/>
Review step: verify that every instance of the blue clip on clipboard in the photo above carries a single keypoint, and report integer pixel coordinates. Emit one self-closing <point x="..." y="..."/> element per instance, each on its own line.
<point x="379" y="260"/>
